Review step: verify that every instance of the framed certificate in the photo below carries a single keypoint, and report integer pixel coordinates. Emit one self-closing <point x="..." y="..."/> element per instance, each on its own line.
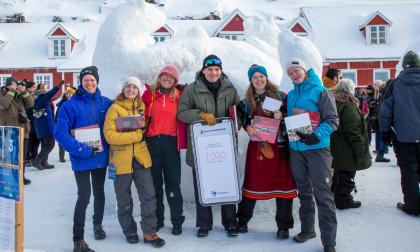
<point x="215" y="162"/>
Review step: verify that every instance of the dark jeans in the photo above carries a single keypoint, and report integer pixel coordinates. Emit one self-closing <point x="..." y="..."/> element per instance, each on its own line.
<point x="47" y="145"/>
<point x="408" y="156"/>
<point x="166" y="167"/>
<point x="380" y="147"/>
<point x="83" y="196"/>
<point x="284" y="216"/>
<point x="33" y="146"/>
<point x="343" y="182"/>
<point x="204" y="215"/>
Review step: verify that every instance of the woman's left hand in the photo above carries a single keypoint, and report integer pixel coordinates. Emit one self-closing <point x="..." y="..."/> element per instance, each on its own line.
<point x="278" y="115"/>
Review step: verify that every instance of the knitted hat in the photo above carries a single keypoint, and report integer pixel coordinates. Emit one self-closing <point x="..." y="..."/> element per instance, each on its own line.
<point x="171" y="70"/>
<point x="296" y="62"/>
<point x="256" y="68"/>
<point x="132" y="80"/>
<point x="10" y="80"/>
<point x="411" y="59"/>
<point x="92" y="70"/>
<point x="211" y="60"/>
<point x="70" y="91"/>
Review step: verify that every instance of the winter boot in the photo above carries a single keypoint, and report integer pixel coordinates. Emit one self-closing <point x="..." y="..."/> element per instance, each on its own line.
<point x="176" y="230"/>
<point x="26" y="181"/>
<point x="99" y="232"/>
<point x="283" y="234"/>
<point x="38" y="164"/>
<point x="202" y="232"/>
<point x="303" y="237"/>
<point x="154" y="240"/>
<point x="329" y="249"/>
<point x="403" y="208"/>
<point x="232" y="230"/>
<point x="132" y="238"/>
<point x="242" y="228"/>
<point x="61" y="153"/>
<point x="381" y="158"/>
<point x="351" y="204"/>
<point x="47" y="165"/>
<point x="82" y="246"/>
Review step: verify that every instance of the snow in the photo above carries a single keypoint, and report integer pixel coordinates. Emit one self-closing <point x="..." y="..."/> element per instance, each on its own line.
<point x="376" y="226"/>
<point x="413" y="46"/>
<point x="136" y="53"/>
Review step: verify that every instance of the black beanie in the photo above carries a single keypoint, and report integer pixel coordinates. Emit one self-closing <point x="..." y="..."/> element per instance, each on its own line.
<point x="411" y="59"/>
<point x="92" y="70"/>
<point x="10" y="80"/>
<point x="211" y="60"/>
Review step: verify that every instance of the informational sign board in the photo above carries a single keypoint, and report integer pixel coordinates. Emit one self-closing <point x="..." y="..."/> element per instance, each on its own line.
<point x="11" y="189"/>
<point x="215" y="162"/>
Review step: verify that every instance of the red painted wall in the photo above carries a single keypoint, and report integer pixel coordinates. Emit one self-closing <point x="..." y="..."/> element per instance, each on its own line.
<point x="58" y="32"/>
<point x="364" y="76"/>
<point x="389" y="64"/>
<point x="298" y="28"/>
<point x="367" y="64"/>
<point x="236" y="24"/>
<point x="338" y="65"/>
<point x="162" y="29"/>
<point x="378" y="20"/>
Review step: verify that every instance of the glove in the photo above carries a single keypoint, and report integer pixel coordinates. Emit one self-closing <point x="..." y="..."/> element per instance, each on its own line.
<point x="208" y="117"/>
<point x="308" y="139"/>
<point x="94" y="150"/>
<point x="387" y="138"/>
<point x="359" y="157"/>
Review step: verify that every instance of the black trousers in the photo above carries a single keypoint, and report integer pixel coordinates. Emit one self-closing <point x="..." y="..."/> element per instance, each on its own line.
<point x="166" y="167"/>
<point x="284" y="215"/>
<point x="204" y="214"/>
<point x="408" y="156"/>
<point x="343" y="185"/>
<point x="33" y="146"/>
<point x="25" y="150"/>
<point x="83" y="196"/>
<point x="47" y="145"/>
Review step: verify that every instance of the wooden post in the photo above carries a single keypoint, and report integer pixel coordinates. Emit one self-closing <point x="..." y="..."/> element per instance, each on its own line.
<point x="19" y="205"/>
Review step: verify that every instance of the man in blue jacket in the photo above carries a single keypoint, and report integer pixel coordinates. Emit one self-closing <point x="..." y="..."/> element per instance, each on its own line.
<point x="87" y="107"/>
<point x="44" y="125"/>
<point x="399" y="119"/>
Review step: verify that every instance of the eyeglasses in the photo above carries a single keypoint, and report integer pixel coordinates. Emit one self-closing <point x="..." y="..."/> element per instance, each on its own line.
<point x="212" y="61"/>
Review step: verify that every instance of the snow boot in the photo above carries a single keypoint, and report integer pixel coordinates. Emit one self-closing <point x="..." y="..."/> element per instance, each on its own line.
<point x="61" y="153"/>
<point x="99" y="232"/>
<point x="202" y="232"/>
<point x="176" y="230"/>
<point x="282" y="234"/>
<point x="402" y="207"/>
<point x="132" y="238"/>
<point x="153" y="240"/>
<point x="381" y="158"/>
<point x="329" y="249"/>
<point x="232" y="231"/>
<point x="38" y="164"/>
<point x="47" y="165"/>
<point x="242" y="228"/>
<point x="26" y="181"/>
<point x="82" y="246"/>
<point x="303" y="237"/>
<point x="351" y="204"/>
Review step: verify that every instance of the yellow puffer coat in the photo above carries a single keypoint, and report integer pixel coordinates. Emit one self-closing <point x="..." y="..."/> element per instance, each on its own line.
<point x="125" y="145"/>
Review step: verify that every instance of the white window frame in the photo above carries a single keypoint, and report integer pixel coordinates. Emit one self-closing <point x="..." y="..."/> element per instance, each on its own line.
<point x="349" y="71"/>
<point x="59" y="47"/>
<point x="377" y="40"/>
<point x="234" y="36"/>
<point x="40" y="78"/>
<point x="76" y="79"/>
<point x="161" y="38"/>
<point x="381" y="71"/>
<point x="3" y="78"/>
<point x="63" y="46"/>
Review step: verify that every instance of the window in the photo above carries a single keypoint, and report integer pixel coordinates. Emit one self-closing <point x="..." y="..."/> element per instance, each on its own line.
<point x="382" y="75"/>
<point x="349" y="74"/>
<point x="160" y="38"/>
<point x="59" y="47"/>
<point x="76" y="79"/>
<point x="233" y="37"/>
<point x="46" y="78"/>
<point x="3" y="78"/>
<point x="378" y="34"/>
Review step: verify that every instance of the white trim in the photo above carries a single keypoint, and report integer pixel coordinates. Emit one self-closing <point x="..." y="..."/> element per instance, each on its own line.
<point x="3" y="78"/>
<point x="170" y="31"/>
<point x="297" y="21"/>
<point x="161" y="38"/>
<point x="43" y="75"/>
<point x="76" y="79"/>
<point x="59" y="25"/>
<point x="333" y="60"/>
<point x="354" y="71"/>
<point x="227" y="21"/>
<point x="369" y="33"/>
<point x="67" y="47"/>
<point x="373" y="16"/>
<point x="382" y="70"/>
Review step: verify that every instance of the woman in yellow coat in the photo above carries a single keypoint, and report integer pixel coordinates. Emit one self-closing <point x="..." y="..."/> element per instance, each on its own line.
<point x="130" y="159"/>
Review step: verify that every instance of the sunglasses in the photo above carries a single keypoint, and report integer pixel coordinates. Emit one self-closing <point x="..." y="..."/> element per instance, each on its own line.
<point x="212" y="61"/>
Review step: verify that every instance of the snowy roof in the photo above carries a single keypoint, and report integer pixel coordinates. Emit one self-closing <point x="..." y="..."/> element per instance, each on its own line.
<point x="335" y="30"/>
<point x="26" y="45"/>
<point x="65" y="29"/>
<point x="180" y="27"/>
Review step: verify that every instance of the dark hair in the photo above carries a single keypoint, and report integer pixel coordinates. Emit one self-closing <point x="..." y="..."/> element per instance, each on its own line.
<point x="332" y="72"/>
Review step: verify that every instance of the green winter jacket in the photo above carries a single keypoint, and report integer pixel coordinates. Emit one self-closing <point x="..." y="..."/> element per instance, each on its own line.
<point x="350" y="139"/>
<point x="197" y="98"/>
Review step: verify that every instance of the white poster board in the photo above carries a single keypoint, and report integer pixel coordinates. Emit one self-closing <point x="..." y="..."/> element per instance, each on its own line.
<point x="7" y="227"/>
<point x="215" y="162"/>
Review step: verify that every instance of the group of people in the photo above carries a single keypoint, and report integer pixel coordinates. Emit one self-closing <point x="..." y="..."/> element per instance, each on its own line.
<point x="149" y="154"/>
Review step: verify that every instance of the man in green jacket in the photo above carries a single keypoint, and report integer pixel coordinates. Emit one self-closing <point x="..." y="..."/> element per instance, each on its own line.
<point x="207" y="98"/>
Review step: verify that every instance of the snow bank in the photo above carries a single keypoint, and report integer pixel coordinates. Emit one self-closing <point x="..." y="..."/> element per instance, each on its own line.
<point x="292" y="46"/>
<point x="413" y="46"/>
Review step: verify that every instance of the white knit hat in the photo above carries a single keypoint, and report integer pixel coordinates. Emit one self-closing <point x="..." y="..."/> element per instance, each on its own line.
<point x="296" y="62"/>
<point x="134" y="81"/>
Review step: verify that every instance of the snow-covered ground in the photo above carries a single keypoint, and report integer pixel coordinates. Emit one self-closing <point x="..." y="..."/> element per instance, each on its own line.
<point x="376" y="226"/>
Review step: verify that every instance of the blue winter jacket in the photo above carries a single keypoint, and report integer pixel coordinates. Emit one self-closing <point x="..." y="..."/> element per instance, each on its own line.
<point x="43" y="114"/>
<point x="83" y="109"/>
<point x="310" y="95"/>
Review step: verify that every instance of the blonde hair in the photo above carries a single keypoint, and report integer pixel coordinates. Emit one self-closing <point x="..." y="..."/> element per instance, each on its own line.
<point x="156" y="84"/>
<point x="346" y="85"/>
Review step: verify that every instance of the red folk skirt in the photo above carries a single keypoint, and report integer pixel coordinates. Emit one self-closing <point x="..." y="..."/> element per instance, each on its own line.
<point x="267" y="178"/>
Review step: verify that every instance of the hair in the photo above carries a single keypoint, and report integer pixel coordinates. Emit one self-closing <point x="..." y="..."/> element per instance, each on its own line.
<point x="121" y="96"/>
<point x="346" y="85"/>
<point x="156" y="84"/>
<point x="271" y="90"/>
<point x="332" y="72"/>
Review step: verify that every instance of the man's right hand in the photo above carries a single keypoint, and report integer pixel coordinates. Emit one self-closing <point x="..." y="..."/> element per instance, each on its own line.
<point x="208" y="117"/>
